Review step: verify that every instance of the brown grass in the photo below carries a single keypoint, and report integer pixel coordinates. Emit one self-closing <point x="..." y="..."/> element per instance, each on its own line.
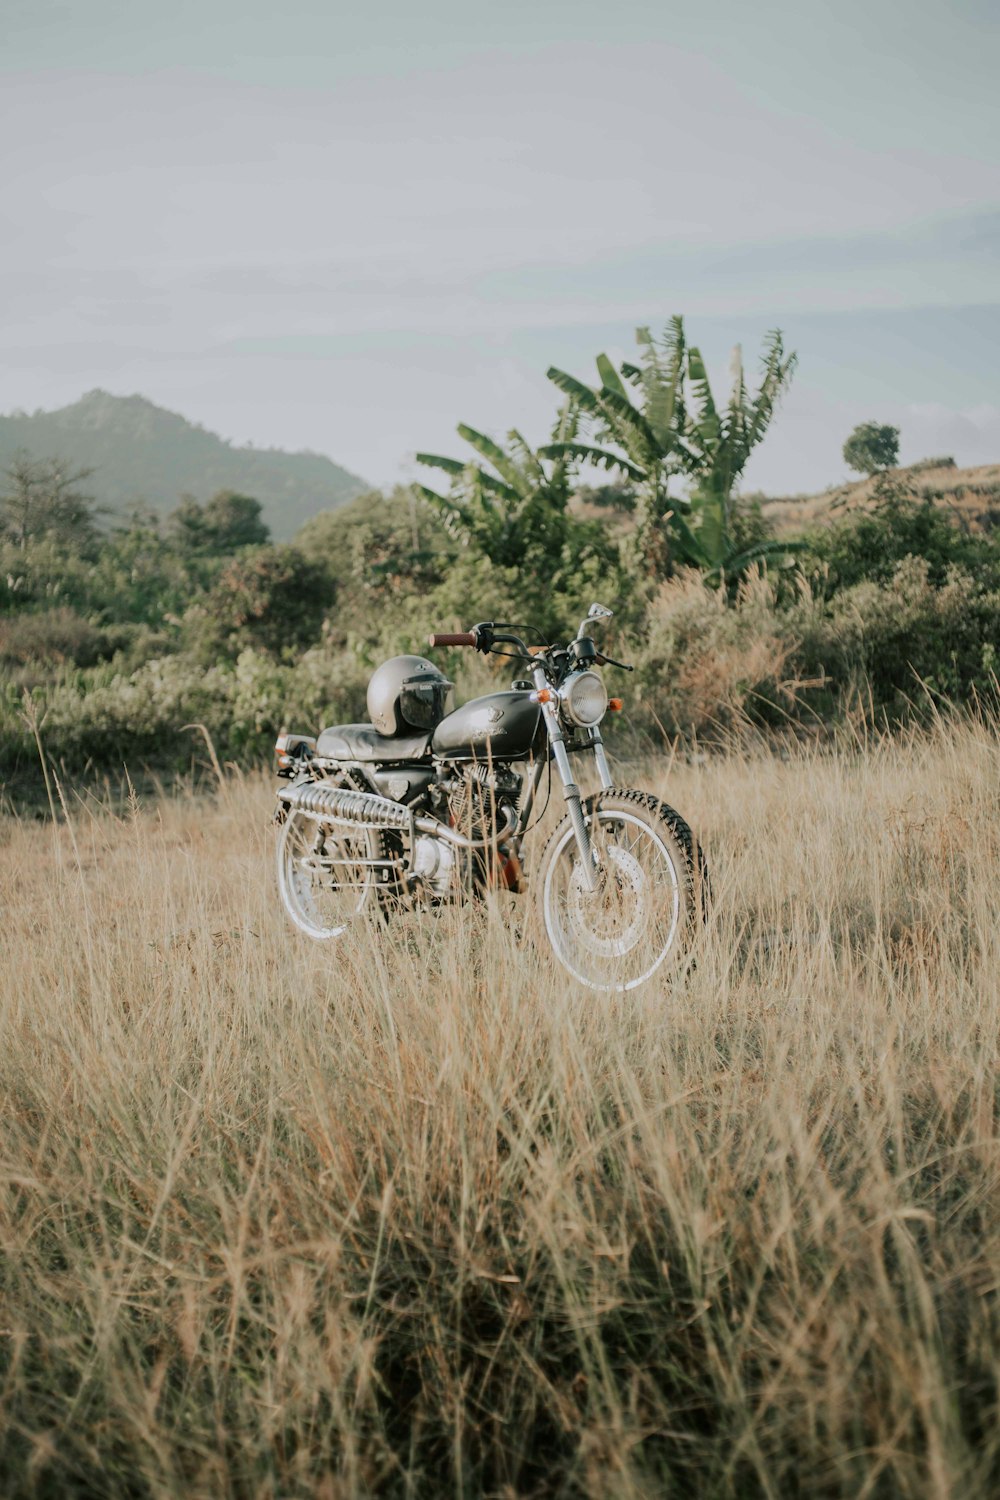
<point x="970" y="496"/>
<point x="417" y="1216"/>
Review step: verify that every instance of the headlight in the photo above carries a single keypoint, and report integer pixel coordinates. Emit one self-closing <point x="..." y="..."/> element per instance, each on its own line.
<point x="585" y="699"/>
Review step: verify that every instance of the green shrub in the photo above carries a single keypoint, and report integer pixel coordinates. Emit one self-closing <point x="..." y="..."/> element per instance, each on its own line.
<point x="55" y="636"/>
<point x="225" y="524"/>
<point x="890" y="639"/>
<point x="273" y="599"/>
<point x="868" y="545"/>
<point x="378" y="546"/>
<point x="106" y="718"/>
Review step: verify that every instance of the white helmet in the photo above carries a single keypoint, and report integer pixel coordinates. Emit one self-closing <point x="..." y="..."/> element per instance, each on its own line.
<point x="407" y="693"/>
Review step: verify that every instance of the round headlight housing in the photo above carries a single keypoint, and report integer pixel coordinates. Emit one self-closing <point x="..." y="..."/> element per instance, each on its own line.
<point x="585" y="699"/>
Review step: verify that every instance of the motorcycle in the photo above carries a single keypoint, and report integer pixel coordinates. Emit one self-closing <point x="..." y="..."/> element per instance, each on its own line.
<point x="429" y="805"/>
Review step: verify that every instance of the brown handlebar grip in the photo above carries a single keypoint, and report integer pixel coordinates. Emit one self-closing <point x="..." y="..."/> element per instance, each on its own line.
<point x="452" y="638"/>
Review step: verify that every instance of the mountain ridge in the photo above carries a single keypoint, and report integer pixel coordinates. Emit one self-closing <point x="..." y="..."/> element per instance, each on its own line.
<point x="144" y="453"/>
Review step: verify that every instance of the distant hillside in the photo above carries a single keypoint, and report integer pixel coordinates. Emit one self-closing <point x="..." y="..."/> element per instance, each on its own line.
<point x="971" y="495"/>
<point x="140" y="452"/>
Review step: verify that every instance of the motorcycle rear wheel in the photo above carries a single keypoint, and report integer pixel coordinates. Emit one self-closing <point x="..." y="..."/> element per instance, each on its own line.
<point x="651" y="883"/>
<point x="326" y="875"/>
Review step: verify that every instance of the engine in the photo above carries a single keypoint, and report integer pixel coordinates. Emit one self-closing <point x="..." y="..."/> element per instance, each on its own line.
<point x="475" y="795"/>
<point x="470" y="802"/>
<point x="435" y="866"/>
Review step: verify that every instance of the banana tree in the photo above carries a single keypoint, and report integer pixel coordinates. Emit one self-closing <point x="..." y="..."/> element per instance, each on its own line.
<point x="513" y="507"/>
<point x="662" y="439"/>
<point x="643" y="440"/>
<point x="716" y="449"/>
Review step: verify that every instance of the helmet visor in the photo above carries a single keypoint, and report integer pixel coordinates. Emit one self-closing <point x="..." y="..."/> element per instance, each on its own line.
<point x="423" y="702"/>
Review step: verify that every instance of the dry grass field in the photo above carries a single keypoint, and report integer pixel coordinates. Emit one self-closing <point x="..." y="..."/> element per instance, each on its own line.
<point x="970" y="496"/>
<point x="417" y="1216"/>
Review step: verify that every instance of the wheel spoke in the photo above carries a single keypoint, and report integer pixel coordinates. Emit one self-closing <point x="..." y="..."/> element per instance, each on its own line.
<point x="616" y="936"/>
<point x="326" y="875"/>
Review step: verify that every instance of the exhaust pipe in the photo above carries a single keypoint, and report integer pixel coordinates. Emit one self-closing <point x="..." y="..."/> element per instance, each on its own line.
<point x="334" y="804"/>
<point x="441" y="830"/>
<point x="337" y="804"/>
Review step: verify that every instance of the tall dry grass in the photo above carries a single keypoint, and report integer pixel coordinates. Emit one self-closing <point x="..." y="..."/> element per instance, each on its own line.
<point x="418" y="1216"/>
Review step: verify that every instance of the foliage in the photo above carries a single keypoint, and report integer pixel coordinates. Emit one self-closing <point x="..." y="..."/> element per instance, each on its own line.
<point x="53" y="637"/>
<point x="125" y="635"/>
<point x="718" y="447"/>
<point x="641" y="443"/>
<point x="274" y="599"/>
<point x="513" y="510"/>
<point x="870" y="543"/>
<point x="904" y="646"/>
<point x="677" y="430"/>
<point x="936" y="461"/>
<point x="379" y="547"/>
<point x="707" y="662"/>
<point x="872" y="446"/>
<point x="42" y="498"/>
<point x="108" y="717"/>
<point x="904" y="611"/>
<point x="225" y="523"/>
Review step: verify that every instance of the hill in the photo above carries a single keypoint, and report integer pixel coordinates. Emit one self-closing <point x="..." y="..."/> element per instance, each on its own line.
<point x="140" y="452"/>
<point x="971" y="495"/>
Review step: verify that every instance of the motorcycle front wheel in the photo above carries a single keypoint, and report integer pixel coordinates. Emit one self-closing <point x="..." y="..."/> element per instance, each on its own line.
<point x="328" y="874"/>
<point x="650" y="884"/>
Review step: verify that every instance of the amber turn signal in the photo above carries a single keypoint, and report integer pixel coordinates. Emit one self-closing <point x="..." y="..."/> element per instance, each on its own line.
<point x="615" y="705"/>
<point x="544" y="695"/>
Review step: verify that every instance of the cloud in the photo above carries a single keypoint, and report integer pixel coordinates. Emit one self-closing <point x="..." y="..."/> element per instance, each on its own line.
<point x="354" y="265"/>
<point x="972" y="436"/>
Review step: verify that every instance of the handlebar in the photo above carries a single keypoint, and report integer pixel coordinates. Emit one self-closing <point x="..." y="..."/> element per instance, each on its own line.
<point x="486" y="637"/>
<point x="454" y="638"/>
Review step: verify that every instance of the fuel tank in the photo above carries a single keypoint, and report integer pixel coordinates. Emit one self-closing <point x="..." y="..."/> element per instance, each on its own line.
<point x="501" y="726"/>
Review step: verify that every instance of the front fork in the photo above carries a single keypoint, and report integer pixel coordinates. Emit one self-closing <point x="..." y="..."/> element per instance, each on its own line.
<point x="571" y="792"/>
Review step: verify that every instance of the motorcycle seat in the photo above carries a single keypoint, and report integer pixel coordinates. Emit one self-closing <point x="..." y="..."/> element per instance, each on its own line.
<point x="362" y="742"/>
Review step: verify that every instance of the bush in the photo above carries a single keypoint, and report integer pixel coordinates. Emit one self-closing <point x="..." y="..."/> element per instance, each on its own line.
<point x="225" y="524"/>
<point x="889" y="640"/>
<point x="707" y="662"/>
<point x="274" y="600"/>
<point x="869" y="545"/>
<point x="54" y="636"/>
<point x="937" y="461"/>
<point x="105" y="718"/>
<point x="379" y="544"/>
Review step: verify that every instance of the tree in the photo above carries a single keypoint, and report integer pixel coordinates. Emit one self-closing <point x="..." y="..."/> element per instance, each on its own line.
<point x="42" y="498"/>
<point x="514" y="508"/>
<point x="641" y="443"/>
<point x="871" y="447"/>
<point x="718" y="445"/>
<point x="274" y="599"/>
<point x="224" y="524"/>
<point x="377" y="543"/>
<point x="676" y="431"/>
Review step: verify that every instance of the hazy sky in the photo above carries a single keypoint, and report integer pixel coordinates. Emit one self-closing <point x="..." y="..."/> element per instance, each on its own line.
<point x="349" y="227"/>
